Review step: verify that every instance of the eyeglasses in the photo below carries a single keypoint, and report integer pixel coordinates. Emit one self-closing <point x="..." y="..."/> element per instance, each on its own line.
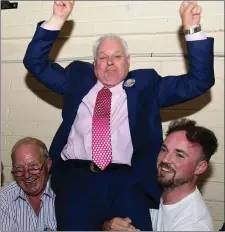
<point x="32" y="171"/>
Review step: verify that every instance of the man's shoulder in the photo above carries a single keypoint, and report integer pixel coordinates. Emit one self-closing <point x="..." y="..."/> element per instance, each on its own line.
<point x="144" y="76"/>
<point x="82" y="65"/>
<point x="149" y="71"/>
<point x="9" y="190"/>
<point x="79" y="68"/>
<point x="194" y="206"/>
<point x="191" y="213"/>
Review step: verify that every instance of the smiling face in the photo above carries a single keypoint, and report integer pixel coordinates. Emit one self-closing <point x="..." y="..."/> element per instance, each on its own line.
<point x="111" y="64"/>
<point x="179" y="161"/>
<point x="26" y="157"/>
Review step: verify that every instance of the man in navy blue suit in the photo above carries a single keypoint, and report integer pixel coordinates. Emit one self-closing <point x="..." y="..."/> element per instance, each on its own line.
<point x="104" y="152"/>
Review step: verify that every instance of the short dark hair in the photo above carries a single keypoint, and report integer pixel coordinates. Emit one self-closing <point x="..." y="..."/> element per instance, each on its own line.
<point x="196" y="134"/>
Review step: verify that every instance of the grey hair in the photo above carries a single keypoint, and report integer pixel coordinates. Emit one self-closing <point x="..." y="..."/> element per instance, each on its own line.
<point x="109" y="36"/>
<point x="30" y="140"/>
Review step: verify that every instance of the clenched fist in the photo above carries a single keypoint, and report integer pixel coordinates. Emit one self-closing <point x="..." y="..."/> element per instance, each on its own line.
<point x="61" y="12"/>
<point x="62" y="9"/>
<point x="190" y="13"/>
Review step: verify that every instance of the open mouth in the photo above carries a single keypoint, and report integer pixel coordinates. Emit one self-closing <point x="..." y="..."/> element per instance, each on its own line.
<point x="166" y="169"/>
<point x="32" y="181"/>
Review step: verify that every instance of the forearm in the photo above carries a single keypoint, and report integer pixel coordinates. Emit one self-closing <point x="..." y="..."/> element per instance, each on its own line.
<point x="199" y="78"/>
<point x="37" y="62"/>
<point x="54" y="23"/>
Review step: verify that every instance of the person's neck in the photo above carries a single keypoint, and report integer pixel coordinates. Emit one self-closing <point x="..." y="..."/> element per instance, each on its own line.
<point x="109" y="86"/>
<point x="35" y="202"/>
<point x="174" y="195"/>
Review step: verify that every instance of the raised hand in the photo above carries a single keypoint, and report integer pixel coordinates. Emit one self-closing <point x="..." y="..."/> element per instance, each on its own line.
<point x="190" y="13"/>
<point x="61" y="12"/>
<point x="63" y="9"/>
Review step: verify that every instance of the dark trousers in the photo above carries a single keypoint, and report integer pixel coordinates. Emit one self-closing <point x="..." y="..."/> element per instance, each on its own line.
<point x="85" y="199"/>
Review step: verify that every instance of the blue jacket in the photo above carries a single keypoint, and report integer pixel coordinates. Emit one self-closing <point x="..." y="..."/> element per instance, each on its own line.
<point x="150" y="93"/>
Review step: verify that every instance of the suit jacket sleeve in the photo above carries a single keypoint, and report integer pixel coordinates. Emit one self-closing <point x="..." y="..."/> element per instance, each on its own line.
<point x="173" y="90"/>
<point x="37" y="62"/>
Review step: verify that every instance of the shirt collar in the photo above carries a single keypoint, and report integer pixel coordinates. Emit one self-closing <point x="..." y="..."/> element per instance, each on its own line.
<point x="48" y="190"/>
<point x="20" y="194"/>
<point x="114" y="90"/>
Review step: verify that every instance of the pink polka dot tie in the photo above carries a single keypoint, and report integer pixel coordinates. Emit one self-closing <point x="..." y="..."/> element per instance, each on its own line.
<point x="101" y="138"/>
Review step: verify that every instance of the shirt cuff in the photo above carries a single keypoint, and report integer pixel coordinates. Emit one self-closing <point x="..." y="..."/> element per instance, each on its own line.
<point x="45" y="26"/>
<point x="196" y="36"/>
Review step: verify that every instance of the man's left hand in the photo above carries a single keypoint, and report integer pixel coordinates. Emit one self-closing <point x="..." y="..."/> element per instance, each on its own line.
<point x="119" y="224"/>
<point x="190" y="13"/>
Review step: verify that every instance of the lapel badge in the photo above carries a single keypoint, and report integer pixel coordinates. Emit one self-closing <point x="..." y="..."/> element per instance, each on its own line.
<point x="129" y="83"/>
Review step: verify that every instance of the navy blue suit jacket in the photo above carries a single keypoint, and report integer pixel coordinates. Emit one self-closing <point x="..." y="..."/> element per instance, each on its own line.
<point x="150" y="93"/>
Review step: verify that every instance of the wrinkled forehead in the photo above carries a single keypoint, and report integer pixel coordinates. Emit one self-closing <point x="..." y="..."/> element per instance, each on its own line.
<point x="112" y="44"/>
<point x="27" y="153"/>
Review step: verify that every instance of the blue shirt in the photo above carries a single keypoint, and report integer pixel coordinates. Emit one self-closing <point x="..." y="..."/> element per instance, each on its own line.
<point x="16" y="214"/>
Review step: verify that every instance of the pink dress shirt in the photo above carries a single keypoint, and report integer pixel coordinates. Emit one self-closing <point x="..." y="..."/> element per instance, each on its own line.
<point x="79" y="143"/>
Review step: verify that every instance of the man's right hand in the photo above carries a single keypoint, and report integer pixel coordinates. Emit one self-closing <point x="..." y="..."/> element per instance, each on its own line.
<point x="119" y="224"/>
<point x="61" y="12"/>
<point x="62" y="9"/>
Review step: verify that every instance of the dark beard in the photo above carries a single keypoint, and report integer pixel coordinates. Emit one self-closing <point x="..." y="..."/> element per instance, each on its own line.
<point x="173" y="182"/>
<point x="169" y="184"/>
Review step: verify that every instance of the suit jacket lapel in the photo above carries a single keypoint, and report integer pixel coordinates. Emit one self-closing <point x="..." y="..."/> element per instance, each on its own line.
<point x="81" y="88"/>
<point x="132" y="94"/>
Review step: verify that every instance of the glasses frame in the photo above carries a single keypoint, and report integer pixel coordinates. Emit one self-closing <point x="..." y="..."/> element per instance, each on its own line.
<point x="32" y="169"/>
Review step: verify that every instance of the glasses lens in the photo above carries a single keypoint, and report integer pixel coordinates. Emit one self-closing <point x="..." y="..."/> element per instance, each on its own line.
<point x="18" y="173"/>
<point x="34" y="171"/>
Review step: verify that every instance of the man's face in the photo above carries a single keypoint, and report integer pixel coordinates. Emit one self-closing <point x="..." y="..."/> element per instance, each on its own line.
<point x="178" y="161"/>
<point x="28" y="157"/>
<point x="111" y="64"/>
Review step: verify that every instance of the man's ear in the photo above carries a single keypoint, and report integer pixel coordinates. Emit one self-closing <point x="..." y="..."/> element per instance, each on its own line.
<point x="128" y="60"/>
<point x="201" y="167"/>
<point x="49" y="163"/>
<point x="94" y="62"/>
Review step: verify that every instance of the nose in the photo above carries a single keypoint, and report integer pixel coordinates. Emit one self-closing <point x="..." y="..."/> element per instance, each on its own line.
<point x="26" y="174"/>
<point x="110" y="61"/>
<point x="167" y="157"/>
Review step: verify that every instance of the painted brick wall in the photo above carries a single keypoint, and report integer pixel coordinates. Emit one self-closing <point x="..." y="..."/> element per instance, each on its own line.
<point x="28" y="108"/>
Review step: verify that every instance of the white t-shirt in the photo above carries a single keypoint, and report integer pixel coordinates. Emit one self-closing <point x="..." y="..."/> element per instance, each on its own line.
<point x="189" y="214"/>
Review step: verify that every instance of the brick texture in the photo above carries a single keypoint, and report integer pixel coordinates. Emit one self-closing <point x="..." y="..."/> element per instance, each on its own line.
<point x="150" y="28"/>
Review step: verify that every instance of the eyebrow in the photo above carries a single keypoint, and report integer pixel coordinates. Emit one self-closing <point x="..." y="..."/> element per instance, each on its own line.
<point x="164" y="146"/>
<point x="177" y="150"/>
<point x="18" y="166"/>
<point x="22" y="166"/>
<point x="114" y="52"/>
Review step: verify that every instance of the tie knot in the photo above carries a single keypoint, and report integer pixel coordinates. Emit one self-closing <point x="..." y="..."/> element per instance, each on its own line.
<point x="105" y="92"/>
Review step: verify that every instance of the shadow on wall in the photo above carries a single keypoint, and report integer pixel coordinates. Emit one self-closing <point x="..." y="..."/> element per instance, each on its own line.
<point x="38" y="88"/>
<point x="190" y="107"/>
<point x="2" y="174"/>
<point x="171" y="113"/>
